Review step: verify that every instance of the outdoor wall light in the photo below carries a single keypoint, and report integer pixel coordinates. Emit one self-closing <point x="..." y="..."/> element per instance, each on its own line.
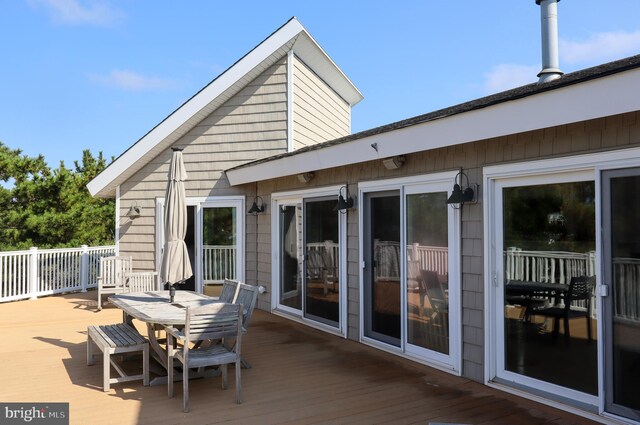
<point x="305" y="177"/>
<point x="459" y="195"/>
<point x="394" y="162"/>
<point x="257" y="207"/>
<point x="133" y="213"/>
<point x="344" y="200"/>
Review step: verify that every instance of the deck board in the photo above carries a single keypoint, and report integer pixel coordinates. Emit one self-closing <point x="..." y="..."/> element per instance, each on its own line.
<point x="299" y="376"/>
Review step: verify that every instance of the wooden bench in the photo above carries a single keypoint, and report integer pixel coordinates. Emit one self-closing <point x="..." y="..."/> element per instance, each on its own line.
<point x="117" y="339"/>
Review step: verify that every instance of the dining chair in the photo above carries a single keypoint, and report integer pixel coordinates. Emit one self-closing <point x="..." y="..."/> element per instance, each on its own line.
<point x="229" y="291"/>
<point x="210" y="322"/>
<point x="580" y="289"/>
<point x="143" y="282"/>
<point x="113" y="276"/>
<point x="247" y="298"/>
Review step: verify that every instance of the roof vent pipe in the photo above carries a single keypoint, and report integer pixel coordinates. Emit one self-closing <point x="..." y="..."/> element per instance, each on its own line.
<point x="549" y="21"/>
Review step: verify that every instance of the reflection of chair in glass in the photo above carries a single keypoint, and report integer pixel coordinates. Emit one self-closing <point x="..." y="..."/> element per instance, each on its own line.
<point x="580" y="289"/>
<point x="438" y="326"/>
<point x="320" y="267"/>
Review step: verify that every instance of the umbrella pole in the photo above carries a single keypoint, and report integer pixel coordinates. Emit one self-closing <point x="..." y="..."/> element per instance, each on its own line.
<point x="172" y="293"/>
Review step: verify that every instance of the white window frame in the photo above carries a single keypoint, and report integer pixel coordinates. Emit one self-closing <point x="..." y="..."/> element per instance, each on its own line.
<point x="549" y="171"/>
<point x="293" y="198"/>
<point x="428" y="183"/>
<point x="238" y="202"/>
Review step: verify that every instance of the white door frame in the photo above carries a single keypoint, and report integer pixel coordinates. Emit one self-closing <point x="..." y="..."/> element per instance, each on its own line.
<point x="206" y="202"/>
<point x="409" y="185"/>
<point x="593" y="163"/>
<point x="293" y="198"/>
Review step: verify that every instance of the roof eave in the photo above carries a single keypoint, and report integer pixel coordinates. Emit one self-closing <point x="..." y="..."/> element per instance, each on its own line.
<point x="561" y="104"/>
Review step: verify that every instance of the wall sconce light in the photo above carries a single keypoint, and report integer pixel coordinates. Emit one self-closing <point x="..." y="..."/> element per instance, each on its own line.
<point x="394" y="162"/>
<point x="133" y="213"/>
<point x="344" y="201"/>
<point x="257" y="207"/>
<point x="305" y="177"/>
<point x="461" y="196"/>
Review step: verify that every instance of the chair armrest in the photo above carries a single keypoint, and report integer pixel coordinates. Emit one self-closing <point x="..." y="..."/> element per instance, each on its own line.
<point x="174" y="332"/>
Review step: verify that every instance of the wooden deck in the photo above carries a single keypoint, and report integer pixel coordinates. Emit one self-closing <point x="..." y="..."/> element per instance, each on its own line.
<point x="299" y="376"/>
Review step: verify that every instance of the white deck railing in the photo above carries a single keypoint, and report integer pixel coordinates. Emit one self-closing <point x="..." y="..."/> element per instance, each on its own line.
<point x="219" y="263"/>
<point x="548" y="266"/>
<point x="387" y="257"/>
<point x="37" y="272"/>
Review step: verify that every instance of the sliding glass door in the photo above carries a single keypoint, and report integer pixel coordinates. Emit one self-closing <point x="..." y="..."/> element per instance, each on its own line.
<point x="545" y="310"/>
<point x="621" y="271"/>
<point x="382" y="267"/>
<point x="410" y="279"/>
<point x="309" y="259"/>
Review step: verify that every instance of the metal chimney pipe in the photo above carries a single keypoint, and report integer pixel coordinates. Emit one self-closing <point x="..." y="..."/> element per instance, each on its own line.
<point x="549" y="22"/>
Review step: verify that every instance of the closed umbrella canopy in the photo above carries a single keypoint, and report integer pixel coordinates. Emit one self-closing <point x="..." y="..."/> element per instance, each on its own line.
<point x="176" y="266"/>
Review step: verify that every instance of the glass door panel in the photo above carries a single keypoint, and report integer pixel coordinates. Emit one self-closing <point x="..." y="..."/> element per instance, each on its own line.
<point x="427" y="299"/>
<point x="382" y="267"/>
<point x="219" y="244"/>
<point x="322" y="260"/>
<point x="621" y="210"/>
<point x="549" y="314"/>
<point x="290" y="238"/>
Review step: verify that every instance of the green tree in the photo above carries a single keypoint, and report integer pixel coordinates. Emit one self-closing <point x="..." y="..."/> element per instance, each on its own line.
<point x="51" y="208"/>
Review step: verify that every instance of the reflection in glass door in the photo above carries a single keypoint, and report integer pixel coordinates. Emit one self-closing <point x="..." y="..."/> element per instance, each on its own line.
<point x="382" y="284"/>
<point x="427" y="296"/>
<point x="621" y="210"/>
<point x="322" y="261"/>
<point x="548" y="314"/>
<point x="290" y="244"/>
<point x="219" y="245"/>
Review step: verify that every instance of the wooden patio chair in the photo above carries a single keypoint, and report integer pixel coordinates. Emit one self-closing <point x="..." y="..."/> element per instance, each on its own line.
<point x="143" y="282"/>
<point x="201" y="324"/>
<point x="229" y="291"/>
<point x="113" y="276"/>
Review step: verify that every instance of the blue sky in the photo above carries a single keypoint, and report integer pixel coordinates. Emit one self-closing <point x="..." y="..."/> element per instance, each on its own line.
<point x="99" y="74"/>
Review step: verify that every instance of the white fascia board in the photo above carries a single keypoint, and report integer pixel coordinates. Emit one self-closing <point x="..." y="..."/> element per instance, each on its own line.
<point x="605" y="96"/>
<point x="172" y="123"/>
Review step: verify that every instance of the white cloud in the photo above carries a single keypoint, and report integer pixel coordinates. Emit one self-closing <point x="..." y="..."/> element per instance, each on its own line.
<point x="507" y="76"/>
<point x="600" y="48"/>
<point x="129" y="80"/>
<point x="79" y="12"/>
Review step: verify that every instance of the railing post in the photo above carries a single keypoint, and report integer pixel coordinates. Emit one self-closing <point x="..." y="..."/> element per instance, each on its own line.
<point x="84" y="267"/>
<point x="33" y="272"/>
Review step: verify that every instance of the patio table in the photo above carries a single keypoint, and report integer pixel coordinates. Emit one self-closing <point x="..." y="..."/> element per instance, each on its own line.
<point x="154" y="309"/>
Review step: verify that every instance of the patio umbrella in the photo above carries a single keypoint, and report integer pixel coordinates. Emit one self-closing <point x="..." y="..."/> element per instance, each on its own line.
<point x="176" y="266"/>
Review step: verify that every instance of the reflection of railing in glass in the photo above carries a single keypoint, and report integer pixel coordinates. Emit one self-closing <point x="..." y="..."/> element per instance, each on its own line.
<point x="387" y="257"/>
<point x="626" y="288"/>
<point x="219" y="263"/>
<point x="548" y="266"/>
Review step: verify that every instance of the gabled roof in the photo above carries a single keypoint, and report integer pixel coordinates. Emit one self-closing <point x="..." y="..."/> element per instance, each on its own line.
<point x="291" y="36"/>
<point x="604" y="90"/>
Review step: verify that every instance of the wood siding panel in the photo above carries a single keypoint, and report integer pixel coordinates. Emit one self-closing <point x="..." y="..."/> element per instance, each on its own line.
<point x="248" y="126"/>
<point x="319" y="114"/>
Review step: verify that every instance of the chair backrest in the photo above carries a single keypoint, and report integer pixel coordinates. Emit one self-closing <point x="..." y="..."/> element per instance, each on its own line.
<point x="229" y="291"/>
<point x="143" y="281"/>
<point x="213" y="322"/>
<point x="433" y="288"/>
<point x="315" y="264"/>
<point x="580" y="289"/>
<point x="247" y="297"/>
<point x="114" y="271"/>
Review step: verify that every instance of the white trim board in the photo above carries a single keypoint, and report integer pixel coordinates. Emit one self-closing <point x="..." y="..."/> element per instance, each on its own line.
<point x="597" y="98"/>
